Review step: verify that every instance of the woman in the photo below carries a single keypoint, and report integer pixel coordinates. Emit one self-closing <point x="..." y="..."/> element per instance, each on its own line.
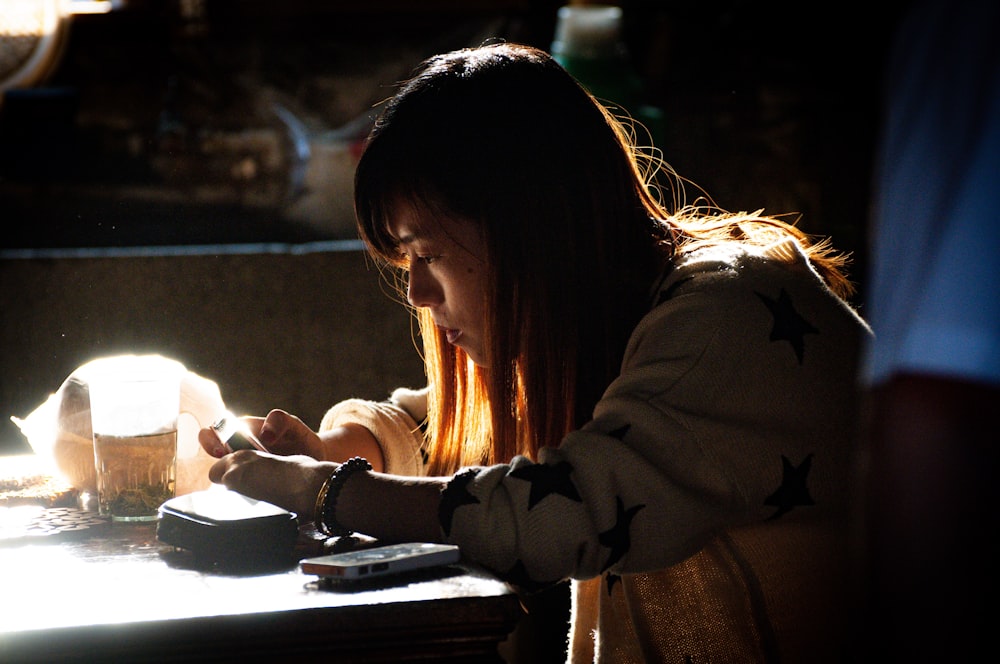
<point x="655" y="403"/>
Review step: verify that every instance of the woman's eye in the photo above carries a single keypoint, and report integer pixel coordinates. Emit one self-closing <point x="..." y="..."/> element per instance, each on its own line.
<point x="427" y="259"/>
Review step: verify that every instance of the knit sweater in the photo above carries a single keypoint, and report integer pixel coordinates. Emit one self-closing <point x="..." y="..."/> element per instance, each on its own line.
<point x="702" y="511"/>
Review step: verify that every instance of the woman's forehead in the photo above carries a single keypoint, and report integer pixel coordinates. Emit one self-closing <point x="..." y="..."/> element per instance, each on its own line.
<point x="409" y="220"/>
<point x="408" y="224"/>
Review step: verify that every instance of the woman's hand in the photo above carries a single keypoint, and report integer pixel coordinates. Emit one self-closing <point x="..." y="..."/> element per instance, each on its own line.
<point x="291" y="482"/>
<point x="387" y="507"/>
<point x="284" y="434"/>
<point x="280" y="432"/>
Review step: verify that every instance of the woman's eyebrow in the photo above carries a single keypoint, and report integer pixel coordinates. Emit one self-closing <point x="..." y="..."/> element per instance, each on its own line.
<point x="409" y="236"/>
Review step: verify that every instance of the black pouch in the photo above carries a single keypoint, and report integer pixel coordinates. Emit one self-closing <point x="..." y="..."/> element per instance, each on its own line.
<point x="226" y="527"/>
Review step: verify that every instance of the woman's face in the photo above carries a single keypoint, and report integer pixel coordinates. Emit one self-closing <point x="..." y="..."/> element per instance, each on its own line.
<point x="447" y="275"/>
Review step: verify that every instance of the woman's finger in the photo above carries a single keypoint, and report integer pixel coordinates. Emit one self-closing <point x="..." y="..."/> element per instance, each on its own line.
<point x="210" y="442"/>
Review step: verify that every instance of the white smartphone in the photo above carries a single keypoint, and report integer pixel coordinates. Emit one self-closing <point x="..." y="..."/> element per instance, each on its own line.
<point x="380" y="560"/>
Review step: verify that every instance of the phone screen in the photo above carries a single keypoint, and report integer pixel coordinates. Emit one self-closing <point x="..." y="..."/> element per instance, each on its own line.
<point x="235" y="435"/>
<point x="244" y="440"/>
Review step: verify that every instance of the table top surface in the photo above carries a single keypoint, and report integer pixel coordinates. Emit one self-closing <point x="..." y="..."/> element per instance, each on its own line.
<point x="125" y="575"/>
<point x="101" y="583"/>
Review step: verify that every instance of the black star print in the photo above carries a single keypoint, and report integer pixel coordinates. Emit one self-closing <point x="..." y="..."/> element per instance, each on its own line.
<point x="788" y="324"/>
<point x="546" y="479"/>
<point x="611" y="580"/>
<point x="793" y="490"/>
<point x="518" y="576"/>
<point x="617" y="538"/>
<point x="454" y="496"/>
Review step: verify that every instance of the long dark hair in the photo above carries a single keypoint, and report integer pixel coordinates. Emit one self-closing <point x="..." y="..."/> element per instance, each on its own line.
<point x="575" y="233"/>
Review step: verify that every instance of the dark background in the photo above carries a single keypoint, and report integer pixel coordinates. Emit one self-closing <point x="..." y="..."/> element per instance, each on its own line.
<point x="159" y="124"/>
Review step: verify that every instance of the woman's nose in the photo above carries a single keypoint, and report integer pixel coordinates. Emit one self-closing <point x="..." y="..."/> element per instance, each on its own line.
<point x="421" y="289"/>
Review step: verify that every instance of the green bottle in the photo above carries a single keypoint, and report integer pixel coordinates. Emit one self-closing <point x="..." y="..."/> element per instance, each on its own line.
<point x="588" y="44"/>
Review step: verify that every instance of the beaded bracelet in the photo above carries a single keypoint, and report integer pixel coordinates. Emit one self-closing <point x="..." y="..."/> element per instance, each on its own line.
<point x="326" y="501"/>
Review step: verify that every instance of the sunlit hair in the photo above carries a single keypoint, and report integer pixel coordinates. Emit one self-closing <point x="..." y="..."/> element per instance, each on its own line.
<point x="577" y="223"/>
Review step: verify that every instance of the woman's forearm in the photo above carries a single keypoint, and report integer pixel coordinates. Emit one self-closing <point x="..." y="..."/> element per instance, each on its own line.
<point x="391" y="507"/>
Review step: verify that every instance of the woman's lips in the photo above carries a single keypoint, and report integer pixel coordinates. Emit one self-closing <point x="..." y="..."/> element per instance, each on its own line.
<point x="451" y="335"/>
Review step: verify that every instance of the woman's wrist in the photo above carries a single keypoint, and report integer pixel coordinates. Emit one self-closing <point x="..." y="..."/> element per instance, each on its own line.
<point x="325" y="511"/>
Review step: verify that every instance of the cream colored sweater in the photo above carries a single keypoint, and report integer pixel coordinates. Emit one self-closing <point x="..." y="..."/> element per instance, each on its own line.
<point x="702" y="511"/>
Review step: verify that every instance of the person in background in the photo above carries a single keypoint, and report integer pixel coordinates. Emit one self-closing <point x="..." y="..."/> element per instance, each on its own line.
<point x="652" y="398"/>
<point x="932" y="370"/>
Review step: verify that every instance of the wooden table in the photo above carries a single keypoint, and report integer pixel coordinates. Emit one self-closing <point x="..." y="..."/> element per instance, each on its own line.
<point x="117" y="594"/>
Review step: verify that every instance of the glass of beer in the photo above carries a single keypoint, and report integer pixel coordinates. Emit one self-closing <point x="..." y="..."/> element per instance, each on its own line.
<point x="134" y="416"/>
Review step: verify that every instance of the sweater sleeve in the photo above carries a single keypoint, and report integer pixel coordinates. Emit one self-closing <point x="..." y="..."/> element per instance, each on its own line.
<point x="396" y="425"/>
<point x="733" y="387"/>
<point x="578" y="510"/>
